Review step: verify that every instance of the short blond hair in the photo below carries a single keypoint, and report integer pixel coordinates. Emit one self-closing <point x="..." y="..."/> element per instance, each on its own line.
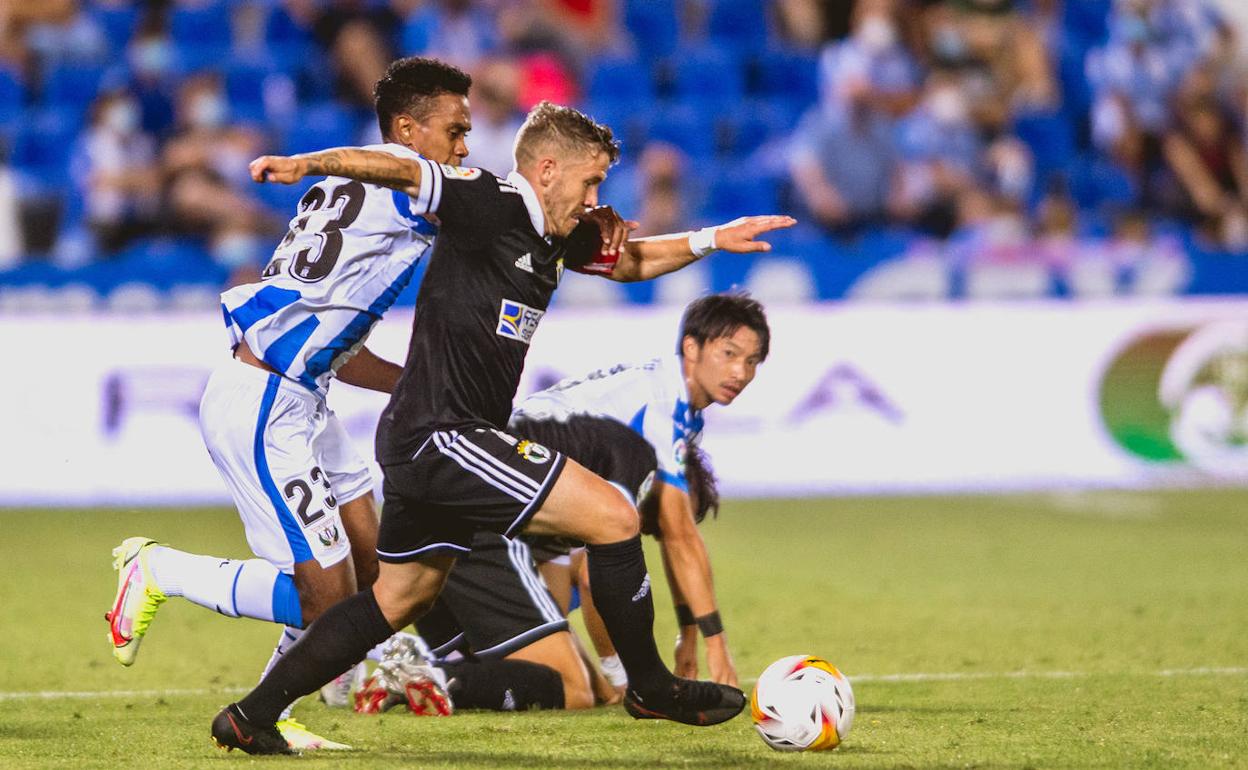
<point x="567" y="128"/>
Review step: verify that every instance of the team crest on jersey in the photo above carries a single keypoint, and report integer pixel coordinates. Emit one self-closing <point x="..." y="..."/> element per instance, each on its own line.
<point x="460" y="172"/>
<point x="533" y="452"/>
<point x="329" y="535"/>
<point x="679" y="449"/>
<point x="518" y="321"/>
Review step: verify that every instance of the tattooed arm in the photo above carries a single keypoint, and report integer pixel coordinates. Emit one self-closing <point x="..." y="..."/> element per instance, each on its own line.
<point x="370" y="166"/>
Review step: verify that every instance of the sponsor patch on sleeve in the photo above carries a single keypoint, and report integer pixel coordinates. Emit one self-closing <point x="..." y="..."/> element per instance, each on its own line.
<point x="459" y="172"/>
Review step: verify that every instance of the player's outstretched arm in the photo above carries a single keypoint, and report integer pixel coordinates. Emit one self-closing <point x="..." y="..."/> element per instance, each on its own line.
<point x="646" y="258"/>
<point x="382" y="168"/>
<point x="689" y="568"/>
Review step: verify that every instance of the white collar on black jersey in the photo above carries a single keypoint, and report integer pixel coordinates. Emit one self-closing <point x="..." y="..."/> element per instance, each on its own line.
<point x="529" y="196"/>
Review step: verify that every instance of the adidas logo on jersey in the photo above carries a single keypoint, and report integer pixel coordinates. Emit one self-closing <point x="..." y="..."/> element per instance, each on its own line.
<point x="525" y="262"/>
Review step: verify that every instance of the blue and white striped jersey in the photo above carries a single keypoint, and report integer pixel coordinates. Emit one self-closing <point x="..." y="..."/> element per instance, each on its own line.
<point x="350" y="251"/>
<point x="651" y="398"/>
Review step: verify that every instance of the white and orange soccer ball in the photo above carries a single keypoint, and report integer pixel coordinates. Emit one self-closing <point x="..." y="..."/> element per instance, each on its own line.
<point x="802" y="703"/>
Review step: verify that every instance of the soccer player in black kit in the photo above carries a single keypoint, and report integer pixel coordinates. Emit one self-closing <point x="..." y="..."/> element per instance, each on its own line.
<point x="449" y="466"/>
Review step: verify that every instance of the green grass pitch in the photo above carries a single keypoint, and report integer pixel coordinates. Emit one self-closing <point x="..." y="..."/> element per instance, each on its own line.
<point x="1034" y="631"/>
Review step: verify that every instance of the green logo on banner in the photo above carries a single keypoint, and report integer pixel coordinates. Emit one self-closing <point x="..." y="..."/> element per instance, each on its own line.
<point x="1181" y="396"/>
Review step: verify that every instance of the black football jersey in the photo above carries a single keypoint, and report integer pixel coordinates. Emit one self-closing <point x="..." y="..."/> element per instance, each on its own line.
<point x="487" y="285"/>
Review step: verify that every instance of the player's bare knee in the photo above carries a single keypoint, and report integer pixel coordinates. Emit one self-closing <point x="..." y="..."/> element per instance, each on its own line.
<point x="619" y="521"/>
<point x="577" y="695"/>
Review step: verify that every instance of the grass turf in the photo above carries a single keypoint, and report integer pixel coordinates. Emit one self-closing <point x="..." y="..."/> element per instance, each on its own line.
<point x="1069" y="630"/>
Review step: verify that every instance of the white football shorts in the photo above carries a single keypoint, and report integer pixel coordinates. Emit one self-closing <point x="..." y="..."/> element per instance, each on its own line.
<point x="287" y="460"/>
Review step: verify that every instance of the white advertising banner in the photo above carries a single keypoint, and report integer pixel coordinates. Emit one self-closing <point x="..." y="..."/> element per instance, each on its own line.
<point x="854" y="398"/>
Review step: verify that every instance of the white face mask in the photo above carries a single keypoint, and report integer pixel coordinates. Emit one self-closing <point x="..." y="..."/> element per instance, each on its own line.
<point x="876" y="34"/>
<point x="207" y="111"/>
<point x="122" y="117"/>
<point x="948" y="106"/>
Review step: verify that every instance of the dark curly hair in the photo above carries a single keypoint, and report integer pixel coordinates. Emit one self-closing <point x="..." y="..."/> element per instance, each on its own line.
<point x="410" y="85"/>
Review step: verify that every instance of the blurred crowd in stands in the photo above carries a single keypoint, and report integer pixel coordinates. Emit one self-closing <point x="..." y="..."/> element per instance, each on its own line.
<point x="1086" y="137"/>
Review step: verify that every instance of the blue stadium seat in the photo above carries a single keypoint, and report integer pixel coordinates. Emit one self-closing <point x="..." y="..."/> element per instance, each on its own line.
<point x="630" y="122"/>
<point x="791" y="73"/>
<point x="118" y="23"/>
<point x="1051" y="138"/>
<point x="743" y="23"/>
<point x="43" y="144"/>
<point x="207" y="26"/>
<point x="625" y="80"/>
<point x="12" y="97"/>
<point x="708" y="74"/>
<point x="760" y="121"/>
<point x="72" y="85"/>
<point x="244" y="83"/>
<point x="319" y="126"/>
<point x="740" y="191"/>
<point x="654" y="25"/>
<point x="689" y="127"/>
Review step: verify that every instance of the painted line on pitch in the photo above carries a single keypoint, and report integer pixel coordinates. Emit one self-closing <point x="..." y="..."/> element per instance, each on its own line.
<point x="952" y="676"/>
<point x="955" y="676"/>
<point x="56" y="694"/>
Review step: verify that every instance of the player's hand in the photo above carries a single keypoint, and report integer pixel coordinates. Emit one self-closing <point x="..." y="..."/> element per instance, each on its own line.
<point x="687" y="653"/>
<point x="719" y="661"/>
<point x="277" y="168"/>
<point x="738" y="236"/>
<point x="614" y="228"/>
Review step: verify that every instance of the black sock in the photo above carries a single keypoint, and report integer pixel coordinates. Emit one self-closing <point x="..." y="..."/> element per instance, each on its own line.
<point x="621" y="590"/>
<point x="336" y="641"/>
<point x="504" y="685"/>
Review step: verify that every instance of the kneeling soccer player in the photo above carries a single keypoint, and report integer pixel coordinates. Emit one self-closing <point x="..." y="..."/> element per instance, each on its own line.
<point x="623" y="423"/>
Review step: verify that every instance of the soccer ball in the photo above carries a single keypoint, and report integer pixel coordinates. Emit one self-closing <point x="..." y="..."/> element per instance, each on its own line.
<point x="802" y="703"/>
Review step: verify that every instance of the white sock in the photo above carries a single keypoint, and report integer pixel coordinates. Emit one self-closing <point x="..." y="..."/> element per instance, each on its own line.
<point x="233" y="588"/>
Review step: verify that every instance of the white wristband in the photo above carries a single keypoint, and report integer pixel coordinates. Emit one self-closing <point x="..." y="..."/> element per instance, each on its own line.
<point x="702" y="242"/>
<point x="613" y="670"/>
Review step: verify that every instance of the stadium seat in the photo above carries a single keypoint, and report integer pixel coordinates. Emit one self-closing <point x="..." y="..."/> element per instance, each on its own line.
<point x="742" y="191"/>
<point x="12" y="97"/>
<point x="745" y="130"/>
<point x="319" y="126"/>
<point x="690" y="128"/>
<point x="117" y="22"/>
<point x="628" y="81"/>
<point x="43" y="144"/>
<point x="792" y="73"/>
<point x="245" y="82"/>
<point x="742" y="23"/>
<point x="203" y="26"/>
<point x="73" y="85"/>
<point x="707" y="74"/>
<point x="1051" y="139"/>
<point x="654" y="25"/>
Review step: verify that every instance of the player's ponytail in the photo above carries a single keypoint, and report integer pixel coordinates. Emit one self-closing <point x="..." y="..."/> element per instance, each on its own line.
<point x="703" y="489"/>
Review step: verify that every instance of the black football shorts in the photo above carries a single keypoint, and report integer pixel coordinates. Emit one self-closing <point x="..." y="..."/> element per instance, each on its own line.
<point x="494" y="602"/>
<point x="461" y="481"/>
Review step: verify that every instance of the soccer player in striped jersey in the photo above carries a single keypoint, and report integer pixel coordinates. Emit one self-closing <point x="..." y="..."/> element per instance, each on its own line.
<point x="303" y="492"/>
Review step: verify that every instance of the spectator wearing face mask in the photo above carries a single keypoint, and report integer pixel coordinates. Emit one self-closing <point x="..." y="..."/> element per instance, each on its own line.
<point x="153" y="69"/>
<point x="114" y="170"/>
<point x="206" y="182"/>
<point x="870" y="68"/>
<point x="941" y="155"/>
